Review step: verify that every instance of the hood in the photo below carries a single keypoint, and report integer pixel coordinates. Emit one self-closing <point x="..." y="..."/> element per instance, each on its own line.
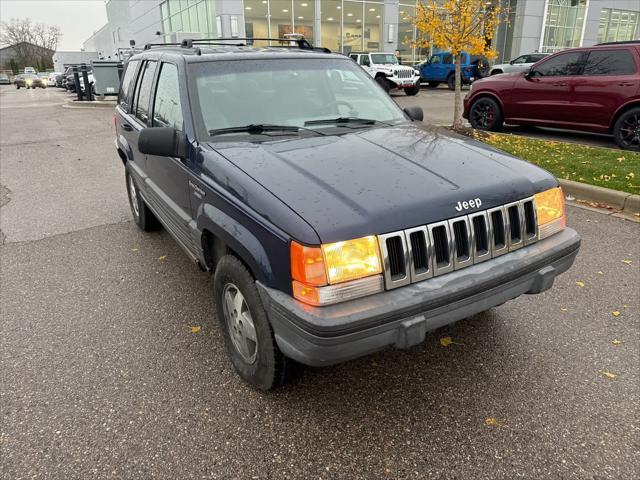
<point x="383" y="179"/>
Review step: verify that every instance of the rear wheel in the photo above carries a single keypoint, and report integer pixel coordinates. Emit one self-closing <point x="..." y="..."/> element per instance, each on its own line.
<point x="247" y="334"/>
<point x="433" y="84"/>
<point x="451" y="82"/>
<point x="384" y="83"/>
<point x="626" y="131"/>
<point x="482" y="67"/>
<point x="485" y="114"/>
<point x="142" y="215"/>
<point x="411" y="91"/>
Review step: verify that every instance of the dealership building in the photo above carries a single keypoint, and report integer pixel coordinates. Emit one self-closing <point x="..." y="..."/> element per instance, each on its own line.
<point x="351" y="25"/>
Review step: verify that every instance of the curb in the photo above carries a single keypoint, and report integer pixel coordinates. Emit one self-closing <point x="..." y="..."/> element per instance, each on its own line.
<point x="626" y="203"/>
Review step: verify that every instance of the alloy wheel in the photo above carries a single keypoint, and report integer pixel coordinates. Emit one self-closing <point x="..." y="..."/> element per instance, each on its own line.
<point x="483" y="114"/>
<point x="240" y="323"/>
<point x="630" y="131"/>
<point x="134" y="197"/>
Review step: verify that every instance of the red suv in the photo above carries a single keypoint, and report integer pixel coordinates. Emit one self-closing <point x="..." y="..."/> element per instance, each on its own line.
<point x="593" y="89"/>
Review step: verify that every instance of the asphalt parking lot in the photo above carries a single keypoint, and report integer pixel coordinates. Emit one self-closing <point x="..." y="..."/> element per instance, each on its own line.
<point x="104" y="377"/>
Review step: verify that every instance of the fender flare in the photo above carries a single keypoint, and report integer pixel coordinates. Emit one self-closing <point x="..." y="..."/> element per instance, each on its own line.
<point x="238" y="238"/>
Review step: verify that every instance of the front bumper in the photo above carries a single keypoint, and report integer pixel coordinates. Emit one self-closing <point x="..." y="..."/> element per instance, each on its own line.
<point x="319" y="336"/>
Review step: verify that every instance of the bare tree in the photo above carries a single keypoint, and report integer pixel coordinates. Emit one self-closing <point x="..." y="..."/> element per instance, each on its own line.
<point x="23" y="34"/>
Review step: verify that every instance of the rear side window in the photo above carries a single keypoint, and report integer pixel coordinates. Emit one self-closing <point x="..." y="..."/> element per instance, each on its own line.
<point x="563" y="65"/>
<point x="364" y="60"/>
<point x="609" y="62"/>
<point x="167" y="111"/>
<point x="143" y="91"/>
<point x="447" y="59"/>
<point x="354" y="58"/>
<point x="124" y="95"/>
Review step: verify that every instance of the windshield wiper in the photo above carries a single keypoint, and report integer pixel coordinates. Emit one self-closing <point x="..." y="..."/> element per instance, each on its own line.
<point x="260" y="128"/>
<point x="346" y="120"/>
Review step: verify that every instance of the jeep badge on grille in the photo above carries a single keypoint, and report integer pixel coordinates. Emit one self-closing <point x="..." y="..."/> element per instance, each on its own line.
<point x="474" y="203"/>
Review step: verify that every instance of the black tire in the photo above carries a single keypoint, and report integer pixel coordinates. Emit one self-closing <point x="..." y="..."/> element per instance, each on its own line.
<point x="486" y="114"/>
<point x="269" y="368"/>
<point x="411" y="91"/>
<point x="451" y="82"/>
<point x="626" y="131"/>
<point x="433" y="84"/>
<point x="17" y="87"/>
<point x="144" y="218"/>
<point x="384" y="83"/>
<point x="483" y="69"/>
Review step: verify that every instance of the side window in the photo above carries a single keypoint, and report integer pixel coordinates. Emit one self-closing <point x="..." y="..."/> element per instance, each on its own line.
<point x="447" y="59"/>
<point x="435" y="60"/>
<point x="565" y="64"/>
<point x="124" y="94"/>
<point x="609" y="62"/>
<point x="143" y="91"/>
<point x="167" y="111"/>
<point x="354" y="58"/>
<point x="521" y="59"/>
<point x="364" y="60"/>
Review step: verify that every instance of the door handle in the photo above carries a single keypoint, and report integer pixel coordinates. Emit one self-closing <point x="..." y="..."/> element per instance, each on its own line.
<point x="559" y="84"/>
<point x="625" y="84"/>
<point x="127" y="127"/>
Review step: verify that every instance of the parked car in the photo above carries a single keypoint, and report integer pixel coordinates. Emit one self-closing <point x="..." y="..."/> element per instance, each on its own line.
<point x="51" y="79"/>
<point x="519" y="64"/>
<point x="335" y="223"/>
<point x="4" y="79"/>
<point x="29" y="81"/>
<point x="386" y="70"/>
<point x="70" y="83"/>
<point x="30" y="71"/>
<point x="593" y="89"/>
<point x="441" y="68"/>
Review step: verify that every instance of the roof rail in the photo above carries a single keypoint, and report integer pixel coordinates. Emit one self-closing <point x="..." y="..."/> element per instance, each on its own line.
<point x="300" y="43"/>
<point x="148" y="46"/>
<point x="622" y="42"/>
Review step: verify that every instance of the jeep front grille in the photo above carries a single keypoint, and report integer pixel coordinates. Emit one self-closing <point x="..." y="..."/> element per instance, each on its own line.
<point x="427" y="251"/>
<point x="405" y="73"/>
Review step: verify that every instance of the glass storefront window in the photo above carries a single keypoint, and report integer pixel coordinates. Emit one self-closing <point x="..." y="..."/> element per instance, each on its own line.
<point x="256" y="18"/>
<point x="373" y="27"/>
<point x="331" y="31"/>
<point x="618" y="25"/>
<point x="352" y="27"/>
<point x="188" y="16"/>
<point x="563" y="25"/>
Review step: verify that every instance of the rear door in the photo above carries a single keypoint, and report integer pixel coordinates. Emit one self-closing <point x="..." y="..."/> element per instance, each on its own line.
<point x="545" y="95"/>
<point x="610" y="77"/>
<point x="167" y="181"/>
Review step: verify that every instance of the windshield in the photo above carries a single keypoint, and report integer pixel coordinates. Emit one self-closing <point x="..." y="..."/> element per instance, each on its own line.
<point x="382" y="58"/>
<point x="287" y="92"/>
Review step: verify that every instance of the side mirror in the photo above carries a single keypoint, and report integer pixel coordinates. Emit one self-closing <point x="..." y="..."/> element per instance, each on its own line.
<point x="414" y="113"/>
<point x="162" y="142"/>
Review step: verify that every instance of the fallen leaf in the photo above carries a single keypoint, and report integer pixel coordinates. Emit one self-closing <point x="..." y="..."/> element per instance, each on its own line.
<point x="609" y="374"/>
<point x="134" y="249"/>
<point x="162" y="258"/>
<point x="628" y="262"/>
<point x="615" y="313"/>
<point x="600" y="273"/>
<point x="580" y="284"/>
<point x="195" y="329"/>
<point x="446" y="341"/>
<point x="490" y="421"/>
<point x="616" y="342"/>
<point x="563" y="309"/>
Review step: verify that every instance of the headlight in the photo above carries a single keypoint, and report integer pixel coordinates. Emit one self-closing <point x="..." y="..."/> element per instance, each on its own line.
<point x="336" y="272"/>
<point x="550" y="212"/>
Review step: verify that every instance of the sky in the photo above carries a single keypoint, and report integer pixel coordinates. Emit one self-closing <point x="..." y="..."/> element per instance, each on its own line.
<point x="78" y="19"/>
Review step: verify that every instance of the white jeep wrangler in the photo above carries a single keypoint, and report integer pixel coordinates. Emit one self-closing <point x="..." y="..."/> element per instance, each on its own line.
<point x="384" y="67"/>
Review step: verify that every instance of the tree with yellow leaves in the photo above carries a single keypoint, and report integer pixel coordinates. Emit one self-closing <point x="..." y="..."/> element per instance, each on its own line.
<point x="458" y="26"/>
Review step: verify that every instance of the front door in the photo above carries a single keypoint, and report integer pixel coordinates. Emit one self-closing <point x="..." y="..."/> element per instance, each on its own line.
<point x="544" y="96"/>
<point x="167" y="180"/>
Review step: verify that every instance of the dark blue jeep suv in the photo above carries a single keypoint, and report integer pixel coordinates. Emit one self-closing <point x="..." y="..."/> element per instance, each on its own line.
<point x="336" y="224"/>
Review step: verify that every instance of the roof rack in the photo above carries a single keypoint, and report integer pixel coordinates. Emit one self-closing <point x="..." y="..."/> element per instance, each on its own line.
<point x="148" y="46"/>
<point x="194" y="43"/>
<point x="625" y="42"/>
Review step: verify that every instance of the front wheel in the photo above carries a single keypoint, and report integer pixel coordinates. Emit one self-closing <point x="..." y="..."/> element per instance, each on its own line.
<point x="626" y="131"/>
<point x="411" y="91"/>
<point x="485" y="114"/>
<point x="384" y="83"/>
<point x="142" y="215"/>
<point x="451" y="82"/>
<point x="247" y="334"/>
